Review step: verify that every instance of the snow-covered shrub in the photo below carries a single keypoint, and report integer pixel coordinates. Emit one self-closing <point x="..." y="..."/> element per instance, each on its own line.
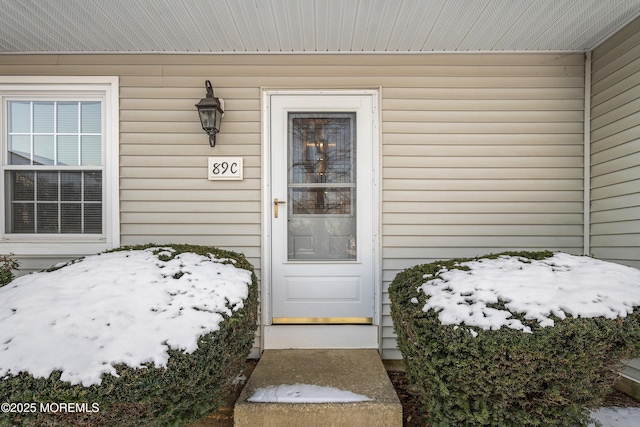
<point x="141" y="336"/>
<point x="515" y="339"/>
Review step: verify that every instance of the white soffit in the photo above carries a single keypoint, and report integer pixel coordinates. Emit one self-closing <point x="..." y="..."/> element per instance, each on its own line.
<point x="214" y="26"/>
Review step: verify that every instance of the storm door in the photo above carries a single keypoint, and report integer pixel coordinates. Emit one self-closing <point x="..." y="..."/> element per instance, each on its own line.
<point x="321" y="219"/>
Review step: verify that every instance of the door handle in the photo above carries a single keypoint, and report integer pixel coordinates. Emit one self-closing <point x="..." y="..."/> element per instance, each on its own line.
<point x="277" y="202"/>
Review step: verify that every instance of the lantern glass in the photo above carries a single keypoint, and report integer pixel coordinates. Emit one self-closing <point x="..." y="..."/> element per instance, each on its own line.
<point x="209" y="119"/>
<point x="218" y="119"/>
<point x="210" y="114"/>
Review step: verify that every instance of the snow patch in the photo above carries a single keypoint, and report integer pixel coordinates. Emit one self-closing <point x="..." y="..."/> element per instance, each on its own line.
<point x="125" y="307"/>
<point x="304" y="393"/>
<point x="617" y="417"/>
<point x="561" y="285"/>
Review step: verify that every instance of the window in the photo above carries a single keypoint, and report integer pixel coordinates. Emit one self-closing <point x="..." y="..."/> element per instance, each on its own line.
<point x="54" y="171"/>
<point x="59" y="160"/>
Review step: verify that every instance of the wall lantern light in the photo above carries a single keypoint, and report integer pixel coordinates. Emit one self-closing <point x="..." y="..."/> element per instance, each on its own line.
<point x="211" y="110"/>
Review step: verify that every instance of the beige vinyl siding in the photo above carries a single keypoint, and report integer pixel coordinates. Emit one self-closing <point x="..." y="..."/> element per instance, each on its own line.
<point x="480" y="153"/>
<point x="483" y="164"/>
<point x="165" y="194"/>
<point x="615" y="148"/>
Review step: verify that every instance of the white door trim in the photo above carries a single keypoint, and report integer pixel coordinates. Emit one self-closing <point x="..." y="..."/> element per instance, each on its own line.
<point x="267" y="197"/>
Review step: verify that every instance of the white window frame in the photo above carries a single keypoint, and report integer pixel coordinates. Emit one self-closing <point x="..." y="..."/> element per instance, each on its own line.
<point x="106" y="88"/>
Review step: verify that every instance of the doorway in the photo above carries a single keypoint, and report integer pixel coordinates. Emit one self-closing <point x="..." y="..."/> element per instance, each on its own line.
<point x="321" y="219"/>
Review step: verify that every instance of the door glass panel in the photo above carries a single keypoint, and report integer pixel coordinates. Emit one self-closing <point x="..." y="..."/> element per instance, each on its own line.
<point x="321" y="186"/>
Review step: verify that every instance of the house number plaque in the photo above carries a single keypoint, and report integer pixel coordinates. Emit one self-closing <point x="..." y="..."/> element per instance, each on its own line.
<point x="225" y="168"/>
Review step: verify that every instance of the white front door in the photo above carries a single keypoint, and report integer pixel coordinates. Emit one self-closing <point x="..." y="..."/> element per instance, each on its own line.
<point x="322" y="211"/>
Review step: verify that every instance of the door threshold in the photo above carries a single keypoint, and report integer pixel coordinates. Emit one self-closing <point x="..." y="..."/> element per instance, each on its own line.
<point x="320" y="336"/>
<point x="322" y="321"/>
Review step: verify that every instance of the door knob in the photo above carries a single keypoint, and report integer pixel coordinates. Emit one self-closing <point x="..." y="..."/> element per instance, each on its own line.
<point x="277" y="202"/>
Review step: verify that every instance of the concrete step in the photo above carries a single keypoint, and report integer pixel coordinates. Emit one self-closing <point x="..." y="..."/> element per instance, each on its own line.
<point x="356" y="371"/>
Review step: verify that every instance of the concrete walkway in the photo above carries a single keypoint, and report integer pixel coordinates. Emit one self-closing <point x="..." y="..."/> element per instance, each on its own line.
<point x="360" y="372"/>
